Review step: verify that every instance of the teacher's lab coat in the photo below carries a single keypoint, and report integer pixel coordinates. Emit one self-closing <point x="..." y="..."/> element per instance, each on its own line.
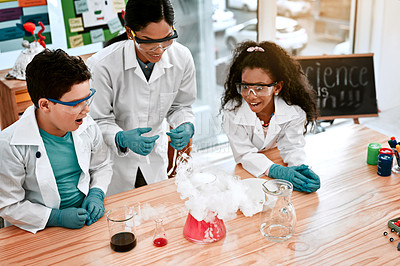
<point x="125" y="100"/>
<point x="28" y="189"/>
<point x="246" y="135"/>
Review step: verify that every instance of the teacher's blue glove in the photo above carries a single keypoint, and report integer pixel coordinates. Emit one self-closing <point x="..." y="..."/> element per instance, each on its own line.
<point x="313" y="182"/>
<point x="290" y="174"/>
<point x="135" y="142"/>
<point x="181" y="135"/>
<point x="73" y="218"/>
<point x="93" y="203"/>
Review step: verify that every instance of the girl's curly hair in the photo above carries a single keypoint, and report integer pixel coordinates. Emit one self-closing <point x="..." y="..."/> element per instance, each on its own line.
<point x="275" y="61"/>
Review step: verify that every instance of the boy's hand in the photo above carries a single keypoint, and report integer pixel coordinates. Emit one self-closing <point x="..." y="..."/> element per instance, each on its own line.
<point x="73" y="218"/>
<point x="93" y="203"/>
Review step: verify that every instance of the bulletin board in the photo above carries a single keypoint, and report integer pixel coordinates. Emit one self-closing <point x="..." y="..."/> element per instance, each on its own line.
<point x="13" y="14"/>
<point x="92" y="21"/>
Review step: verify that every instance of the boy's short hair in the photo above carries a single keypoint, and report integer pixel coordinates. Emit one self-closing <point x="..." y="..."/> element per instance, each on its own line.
<point x="52" y="73"/>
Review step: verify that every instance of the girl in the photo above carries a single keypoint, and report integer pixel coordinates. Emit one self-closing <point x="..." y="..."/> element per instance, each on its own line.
<point x="268" y="102"/>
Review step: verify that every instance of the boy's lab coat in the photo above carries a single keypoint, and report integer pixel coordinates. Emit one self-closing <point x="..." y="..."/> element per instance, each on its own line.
<point x="28" y="189"/>
<point x="246" y="136"/>
<point x="125" y="100"/>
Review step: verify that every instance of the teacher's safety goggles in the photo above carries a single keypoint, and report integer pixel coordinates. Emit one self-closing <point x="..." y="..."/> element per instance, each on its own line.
<point x="75" y="107"/>
<point x="258" y="89"/>
<point x="153" y="44"/>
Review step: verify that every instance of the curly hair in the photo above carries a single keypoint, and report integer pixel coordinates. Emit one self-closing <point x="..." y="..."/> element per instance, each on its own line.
<point x="52" y="73"/>
<point x="280" y="66"/>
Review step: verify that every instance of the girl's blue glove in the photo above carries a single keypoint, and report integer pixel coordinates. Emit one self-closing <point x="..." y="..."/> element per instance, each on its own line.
<point x="293" y="175"/>
<point x="94" y="205"/>
<point x="314" y="183"/>
<point x="73" y="218"/>
<point x="181" y="135"/>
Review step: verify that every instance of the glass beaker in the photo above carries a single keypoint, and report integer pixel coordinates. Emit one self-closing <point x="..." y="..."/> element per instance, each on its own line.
<point x="278" y="217"/>
<point x="121" y="225"/>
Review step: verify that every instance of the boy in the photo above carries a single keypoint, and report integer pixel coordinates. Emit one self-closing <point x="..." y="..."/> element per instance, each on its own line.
<point x="54" y="166"/>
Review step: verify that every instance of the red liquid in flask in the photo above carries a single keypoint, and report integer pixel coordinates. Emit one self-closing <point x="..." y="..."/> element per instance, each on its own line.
<point x="160" y="242"/>
<point x="204" y="232"/>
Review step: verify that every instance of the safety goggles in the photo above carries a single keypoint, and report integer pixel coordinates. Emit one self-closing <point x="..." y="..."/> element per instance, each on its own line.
<point x="153" y="44"/>
<point x="75" y="107"/>
<point x="258" y="89"/>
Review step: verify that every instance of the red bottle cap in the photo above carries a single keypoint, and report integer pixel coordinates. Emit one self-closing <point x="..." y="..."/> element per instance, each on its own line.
<point x="385" y="151"/>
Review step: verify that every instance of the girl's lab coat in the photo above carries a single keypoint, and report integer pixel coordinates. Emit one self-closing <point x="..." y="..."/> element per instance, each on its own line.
<point x="125" y="100"/>
<point x="28" y="189"/>
<point x="246" y="136"/>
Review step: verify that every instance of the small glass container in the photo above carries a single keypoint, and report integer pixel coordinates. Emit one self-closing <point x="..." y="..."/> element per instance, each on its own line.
<point x="121" y="225"/>
<point x="159" y="238"/>
<point x="278" y="217"/>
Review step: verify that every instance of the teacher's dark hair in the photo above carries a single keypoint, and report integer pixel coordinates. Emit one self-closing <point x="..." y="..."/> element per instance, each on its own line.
<point x="139" y="13"/>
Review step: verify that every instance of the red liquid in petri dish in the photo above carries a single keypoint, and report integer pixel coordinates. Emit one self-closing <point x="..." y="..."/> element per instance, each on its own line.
<point x="160" y="242"/>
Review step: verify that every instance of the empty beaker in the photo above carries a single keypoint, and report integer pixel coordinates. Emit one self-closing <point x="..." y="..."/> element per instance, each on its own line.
<point x="278" y="217"/>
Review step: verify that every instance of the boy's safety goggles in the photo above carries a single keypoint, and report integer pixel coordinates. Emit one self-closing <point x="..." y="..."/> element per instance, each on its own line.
<point x="75" y="107"/>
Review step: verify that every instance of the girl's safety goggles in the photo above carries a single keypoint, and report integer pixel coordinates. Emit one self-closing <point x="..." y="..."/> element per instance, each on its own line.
<point x="258" y="89"/>
<point x="75" y="107"/>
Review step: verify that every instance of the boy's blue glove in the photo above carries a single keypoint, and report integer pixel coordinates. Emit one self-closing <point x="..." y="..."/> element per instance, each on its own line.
<point x="299" y="181"/>
<point x="73" y="218"/>
<point x="135" y="142"/>
<point x="181" y="135"/>
<point x="314" y="182"/>
<point x="93" y="203"/>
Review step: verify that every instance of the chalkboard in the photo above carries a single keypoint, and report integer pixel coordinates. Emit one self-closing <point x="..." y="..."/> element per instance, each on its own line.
<point x="345" y="84"/>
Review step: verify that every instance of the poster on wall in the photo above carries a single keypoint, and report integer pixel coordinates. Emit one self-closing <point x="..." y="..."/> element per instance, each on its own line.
<point x="91" y="21"/>
<point x="14" y="14"/>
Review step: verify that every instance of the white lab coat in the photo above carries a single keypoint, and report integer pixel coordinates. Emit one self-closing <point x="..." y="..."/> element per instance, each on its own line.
<point x="246" y="136"/>
<point x="28" y="189"/>
<point x="125" y="100"/>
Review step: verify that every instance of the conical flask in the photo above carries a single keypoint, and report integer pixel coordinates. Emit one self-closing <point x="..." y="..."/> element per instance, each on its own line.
<point x="159" y="238"/>
<point x="203" y="232"/>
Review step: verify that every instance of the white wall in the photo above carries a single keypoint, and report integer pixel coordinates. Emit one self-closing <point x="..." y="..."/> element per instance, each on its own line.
<point x="377" y="31"/>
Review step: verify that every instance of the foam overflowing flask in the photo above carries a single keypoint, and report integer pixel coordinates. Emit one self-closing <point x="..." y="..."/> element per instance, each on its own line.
<point x="210" y="229"/>
<point x="278" y="217"/>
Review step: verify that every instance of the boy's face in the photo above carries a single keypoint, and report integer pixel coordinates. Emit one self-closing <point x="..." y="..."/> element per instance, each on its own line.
<point x="62" y="118"/>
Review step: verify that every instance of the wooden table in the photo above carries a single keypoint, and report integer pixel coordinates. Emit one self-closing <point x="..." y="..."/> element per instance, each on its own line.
<point x="342" y="223"/>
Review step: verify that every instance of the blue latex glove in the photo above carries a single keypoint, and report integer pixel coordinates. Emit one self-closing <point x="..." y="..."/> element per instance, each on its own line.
<point x="299" y="181"/>
<point x="73" y="218"/>
<point x="181" y="135"/>
<point x="314" y="182"/>
<point x="135" y="142"/>
<point x="93" y="203"/>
